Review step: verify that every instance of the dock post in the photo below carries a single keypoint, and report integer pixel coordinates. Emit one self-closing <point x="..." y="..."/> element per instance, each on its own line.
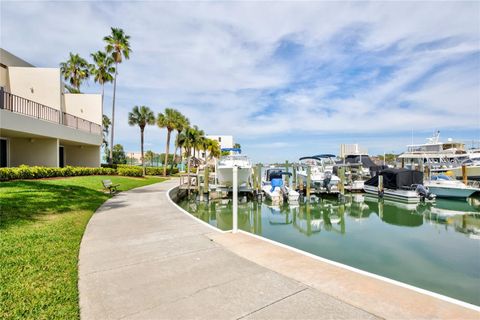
<point x="309" y="181"/>
<point x="341" y="184"/>
<point x="206" y="176"/>
<point x="287" y="177"/>
<point x="259" y="176"/>
<point x="403" y="163"/>
<point x="294" y="177"/>
<point x="235" y="200"/>
<point x="380" y="186"/>
<point x="464" y="174"/>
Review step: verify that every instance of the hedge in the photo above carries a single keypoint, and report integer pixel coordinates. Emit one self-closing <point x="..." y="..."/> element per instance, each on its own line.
<point x="36" y="172"/>
<point x="131" y="171"/>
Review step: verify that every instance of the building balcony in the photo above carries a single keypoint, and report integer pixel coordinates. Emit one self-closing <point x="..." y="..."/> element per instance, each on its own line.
<point x="20" y="105"/>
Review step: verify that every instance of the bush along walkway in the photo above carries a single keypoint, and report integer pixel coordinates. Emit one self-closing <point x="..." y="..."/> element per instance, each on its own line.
<point x="41" y="225"/>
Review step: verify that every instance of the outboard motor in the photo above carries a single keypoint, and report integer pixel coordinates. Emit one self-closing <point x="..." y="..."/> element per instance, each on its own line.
<point x="423" y="192"/>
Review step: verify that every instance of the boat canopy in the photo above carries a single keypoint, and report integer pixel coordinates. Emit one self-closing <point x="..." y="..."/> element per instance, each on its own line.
<point x="318" y="157"/>
<point x="397" y="178"/>
<point x="276" y="174"/>
<point x="232" y="149"/>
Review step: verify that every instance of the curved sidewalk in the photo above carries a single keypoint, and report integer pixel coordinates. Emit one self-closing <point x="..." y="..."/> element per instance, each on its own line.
<point x="142" y="258"/>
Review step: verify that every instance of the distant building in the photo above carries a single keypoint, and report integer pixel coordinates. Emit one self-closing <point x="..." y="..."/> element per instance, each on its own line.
<point x="225" y="141"/>
<point x="42" y="125"/>
<point x="346" y="149"/>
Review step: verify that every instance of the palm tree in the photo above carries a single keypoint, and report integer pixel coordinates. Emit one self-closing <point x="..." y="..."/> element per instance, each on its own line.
<point x="213" y="148"/>
<point x="149" y="155"/>
<point x="118" y="46"/>
<point x="141" y="116"/>
<point x="197" y="136"/>
<point x="168" y="120"/>
<point x="75" y="70"/>
<point x="182" y="123"/>
<point x="187" y="140"/>
<point x="103" y="69"/>
<point x="105" y="129"/>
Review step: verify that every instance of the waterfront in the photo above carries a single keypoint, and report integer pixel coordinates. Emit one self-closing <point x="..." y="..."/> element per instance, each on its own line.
<point x="428" y="246"/>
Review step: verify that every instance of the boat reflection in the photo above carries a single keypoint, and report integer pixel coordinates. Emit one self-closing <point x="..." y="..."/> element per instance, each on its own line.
<point x="331" y="215"/>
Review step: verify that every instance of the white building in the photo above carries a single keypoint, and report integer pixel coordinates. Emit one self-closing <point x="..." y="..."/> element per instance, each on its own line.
<point x="42" y="125"/>
<point x="351" y="149"/>
<point x="225" y="141"/>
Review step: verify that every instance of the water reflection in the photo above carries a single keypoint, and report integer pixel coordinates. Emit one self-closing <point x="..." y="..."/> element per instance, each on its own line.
<point x="309" y="218"/>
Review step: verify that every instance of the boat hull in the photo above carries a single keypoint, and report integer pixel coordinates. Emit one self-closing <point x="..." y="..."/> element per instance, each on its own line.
<point x="225" y="176"/>
<point x="445" y="192"/>
<point x="407" y="196"/>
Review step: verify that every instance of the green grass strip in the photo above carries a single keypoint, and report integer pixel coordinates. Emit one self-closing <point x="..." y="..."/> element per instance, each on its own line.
<point x="41" y="226"/>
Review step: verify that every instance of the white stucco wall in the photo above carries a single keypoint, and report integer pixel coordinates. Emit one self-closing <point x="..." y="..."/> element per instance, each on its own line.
<point x="42" y="85"/>
<point x="82" y="156"/>
<point x="33" y="152"/>
<point x="86" y="106"/>
<point x="4" y="78"/>
<point x="226" y="141"/>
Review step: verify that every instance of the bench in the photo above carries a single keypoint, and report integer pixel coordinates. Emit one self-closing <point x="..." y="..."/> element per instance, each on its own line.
<point x="112" y="188"/>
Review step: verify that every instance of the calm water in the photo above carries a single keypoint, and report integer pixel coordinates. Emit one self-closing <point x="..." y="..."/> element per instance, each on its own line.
<point x="428" y="246"/>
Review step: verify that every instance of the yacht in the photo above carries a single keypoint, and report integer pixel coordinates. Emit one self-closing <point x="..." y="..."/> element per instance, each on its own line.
<point x="400" y="184"/>
<point x="442" y="157"/>
<point x="224" y="170"/>
<point x="321" y="172"/>
<point x="446" y="187"/>
<point x="274" y="188"/>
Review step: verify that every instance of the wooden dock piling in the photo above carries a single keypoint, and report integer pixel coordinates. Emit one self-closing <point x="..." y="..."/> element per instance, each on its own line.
<point x="380" y="186"/>
<point x="464" y="174"/>
<point x="287" y="177"/>
<point x="309" y="181"/>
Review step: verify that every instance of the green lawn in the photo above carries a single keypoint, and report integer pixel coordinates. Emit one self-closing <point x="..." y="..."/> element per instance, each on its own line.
<point x="41" y="226"/>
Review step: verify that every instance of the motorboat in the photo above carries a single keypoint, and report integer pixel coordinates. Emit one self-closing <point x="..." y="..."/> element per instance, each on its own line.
<point x="274" y="188"/>
<point x="399" y="184"/>
<point x="446" y="187"/>
<point x="224" y="170"/>
<point x="321" y="172"/>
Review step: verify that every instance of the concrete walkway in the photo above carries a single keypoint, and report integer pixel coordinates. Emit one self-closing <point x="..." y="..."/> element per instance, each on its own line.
<point x="142" y="258"/>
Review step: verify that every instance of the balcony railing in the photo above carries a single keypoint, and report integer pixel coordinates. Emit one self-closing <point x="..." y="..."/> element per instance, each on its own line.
<point x="34" y="109"/>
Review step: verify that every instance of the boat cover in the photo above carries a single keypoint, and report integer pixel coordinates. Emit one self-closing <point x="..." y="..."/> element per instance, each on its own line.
<point x="397" y="178"/>
<point x="276" y="174"/>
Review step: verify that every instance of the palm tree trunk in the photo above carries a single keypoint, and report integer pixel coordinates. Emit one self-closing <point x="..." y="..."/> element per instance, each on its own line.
<point x="113" y="113"/>
<point x="141" y="149"/>
<point x="166" y="154"/>
<point x="175" y="153"/>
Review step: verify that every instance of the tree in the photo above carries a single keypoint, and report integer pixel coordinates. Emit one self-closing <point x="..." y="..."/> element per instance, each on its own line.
<point x="75" y="70"/>
<point x="118" y="45"/>
<point x="141" y="116"/>
<point x="103" y="69"/>
<point x="149" y="156"/>
<point x="118" y="155"/>
<point x="182" y="123"/>
<point x="167" y="120"/>
<point x="213" y="148"/>
<point x="237" y="146"/>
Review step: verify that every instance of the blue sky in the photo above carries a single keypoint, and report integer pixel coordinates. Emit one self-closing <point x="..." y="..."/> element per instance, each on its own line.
<point x="286" y="79"/>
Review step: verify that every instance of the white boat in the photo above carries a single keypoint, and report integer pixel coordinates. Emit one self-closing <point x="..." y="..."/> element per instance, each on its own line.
<point x="224" y="170"/>
<point x="274" y="188"/>
<point x="321" y="172"/>
<point x="400" y="184"/>
<point x="446" y="187"/>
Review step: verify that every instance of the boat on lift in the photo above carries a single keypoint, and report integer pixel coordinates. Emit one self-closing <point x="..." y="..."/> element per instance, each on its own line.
<point x="444" y="186"/>
<point x="274" y="188"/>
<point x="321" y="172"/>
<point x="224" y="169"/>
<point x="399" y="184"/>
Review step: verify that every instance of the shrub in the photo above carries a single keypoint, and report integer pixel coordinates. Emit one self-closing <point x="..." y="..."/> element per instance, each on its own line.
<point x="36" y="172"/>
<point x="131" y="171"/>
<point x="158" y="171"/>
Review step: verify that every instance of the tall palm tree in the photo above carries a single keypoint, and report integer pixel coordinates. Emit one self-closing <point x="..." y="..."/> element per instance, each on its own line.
<point x="197" y="138"/>
<point x="167" y="120"/>
<point x="103" y="69"/>
<point x="118" y="45"/>
<point x="141" y="116"/>
<point x="75" y="70"/>
<point x="182" y="123"/>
